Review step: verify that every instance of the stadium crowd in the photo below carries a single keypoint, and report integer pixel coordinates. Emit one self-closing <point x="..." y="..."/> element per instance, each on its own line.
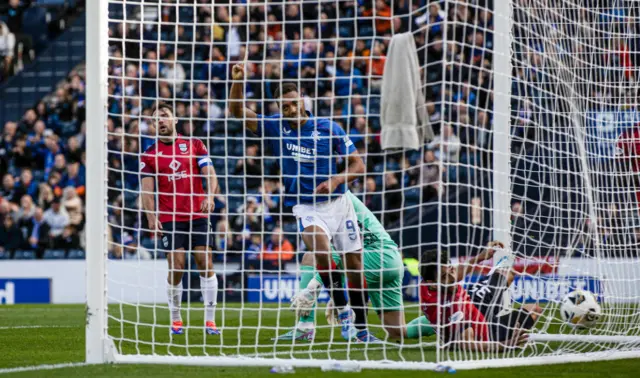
<point x="335" y="51"/>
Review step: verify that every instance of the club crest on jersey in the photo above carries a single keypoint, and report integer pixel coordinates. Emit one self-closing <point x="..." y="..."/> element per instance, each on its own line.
<point x="315" y="135"/>
<point x="183" y="147"/>
<point x="174" y="165"/>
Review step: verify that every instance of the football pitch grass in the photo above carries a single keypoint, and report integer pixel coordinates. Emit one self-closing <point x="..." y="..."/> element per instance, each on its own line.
<point x="32" y="335"/>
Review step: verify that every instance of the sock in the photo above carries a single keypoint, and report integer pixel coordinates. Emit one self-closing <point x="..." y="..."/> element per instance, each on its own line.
<point x="307" y="274"/>
<point x="174" y="295"/>
<point x="419" y="327"/>
<point x="209" y="288"/>
<point x="359" y="298"/>
<point x="332" y="280"/>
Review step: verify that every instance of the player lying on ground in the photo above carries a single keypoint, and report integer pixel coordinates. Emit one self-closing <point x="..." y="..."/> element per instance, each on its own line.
<point x="383" y="271"/>
<point x="473" y="320"/>
<point x="179" y="165"/>
<point x="308" y="149"/>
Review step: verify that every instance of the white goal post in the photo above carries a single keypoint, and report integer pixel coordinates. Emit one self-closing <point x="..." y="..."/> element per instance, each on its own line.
<point x="531" y="102"/>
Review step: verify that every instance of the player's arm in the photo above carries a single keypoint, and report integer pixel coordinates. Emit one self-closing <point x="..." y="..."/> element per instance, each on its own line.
<point x="149" y="202"/>
<point x="208" y="172"/>
<point x="472" y="265"/>
<point x="354" y="168"/>
<point x="236" y="103"/>
<point x="469" y="343"/>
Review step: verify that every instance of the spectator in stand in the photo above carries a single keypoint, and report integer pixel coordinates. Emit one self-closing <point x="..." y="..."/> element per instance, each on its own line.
<point x="392" y="199"/>
<point x="430" y="176"/>
<point x="59" y="165"/>
<point x="450" y="144"/>
<point x="21" y="154"/>
<point x="174" y="74"/>
<point x="10" y="235"/>
<point x="68" y="239"/>
<point x="51" y="141"/>
<point x="57" y="218"/>
<point x="74" y="178"/>
<point x="9" y="191"/>
<point x="250" y="167"/>
<point x="27" y="209"/>
<point x="224" y="236"/>
<point x="372" y="198"/>
<point x="28" y="121"/>
<point x="38" y="233"/>
<point x="9" y="135"/>
<point x="74" y="150"/>
<point x="54" y="182"/>
<point x="348" y="81"/>
<point x="45" y="196"/>
<point x="27" y="184"/>
<point x="7" y="48"/>
<point x="73" y="205"/>
<point x="278" y="249"/>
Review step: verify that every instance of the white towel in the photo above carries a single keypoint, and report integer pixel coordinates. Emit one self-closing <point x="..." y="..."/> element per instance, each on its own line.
<point x="403" y="112"/>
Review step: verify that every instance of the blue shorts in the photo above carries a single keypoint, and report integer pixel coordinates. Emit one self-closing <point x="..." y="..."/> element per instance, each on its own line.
<point x="186" y="235"/>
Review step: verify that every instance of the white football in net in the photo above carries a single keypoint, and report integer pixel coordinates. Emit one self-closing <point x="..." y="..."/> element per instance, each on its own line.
<point x="580" y="309"/>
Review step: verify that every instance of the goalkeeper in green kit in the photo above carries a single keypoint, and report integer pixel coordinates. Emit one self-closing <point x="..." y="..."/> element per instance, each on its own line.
<point x="383" y="272"/>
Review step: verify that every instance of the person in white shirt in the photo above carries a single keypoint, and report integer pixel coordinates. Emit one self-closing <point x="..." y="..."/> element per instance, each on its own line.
<point x="450" y="145"/>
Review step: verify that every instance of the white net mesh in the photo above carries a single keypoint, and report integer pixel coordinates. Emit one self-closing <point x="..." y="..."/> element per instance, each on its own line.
<point x="574" y="215"/>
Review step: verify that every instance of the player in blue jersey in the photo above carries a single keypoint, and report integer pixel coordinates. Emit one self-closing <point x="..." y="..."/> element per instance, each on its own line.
<point x="308" y="149"/>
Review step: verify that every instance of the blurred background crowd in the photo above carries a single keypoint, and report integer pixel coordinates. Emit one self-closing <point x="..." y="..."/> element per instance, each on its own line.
<point x="182" y="54"/>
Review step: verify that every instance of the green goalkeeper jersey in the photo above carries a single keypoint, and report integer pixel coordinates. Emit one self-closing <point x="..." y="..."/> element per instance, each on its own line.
<point x="375" y="237"/>
<point x="381" y="258"/>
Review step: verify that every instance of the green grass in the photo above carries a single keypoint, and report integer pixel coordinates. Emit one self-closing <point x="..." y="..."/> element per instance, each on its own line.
<point x="59" y="338"/>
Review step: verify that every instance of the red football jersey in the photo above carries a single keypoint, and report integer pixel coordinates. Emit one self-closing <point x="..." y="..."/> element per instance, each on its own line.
<point x="458" y="313"/>
<point x="628" y="147"/>
<point x="179" y="184"/>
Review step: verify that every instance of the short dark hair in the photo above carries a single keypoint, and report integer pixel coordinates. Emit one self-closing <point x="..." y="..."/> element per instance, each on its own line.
<point x="429" y="263"/>
<point x="284" y="89"/>
<point x="163" y="106"/>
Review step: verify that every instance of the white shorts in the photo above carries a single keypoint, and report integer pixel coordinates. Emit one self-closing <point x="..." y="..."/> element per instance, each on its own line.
<point x="338" y="220"/>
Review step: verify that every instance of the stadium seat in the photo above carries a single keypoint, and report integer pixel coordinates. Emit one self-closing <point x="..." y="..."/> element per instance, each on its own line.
<point x="76" y="254"/>
<point x="4" y="255"/>
<point x="54" y="254"/>
<point x="24" y="254"/>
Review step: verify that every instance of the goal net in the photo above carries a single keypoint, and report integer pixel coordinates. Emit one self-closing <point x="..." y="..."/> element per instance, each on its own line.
<point x="534" y="108"/>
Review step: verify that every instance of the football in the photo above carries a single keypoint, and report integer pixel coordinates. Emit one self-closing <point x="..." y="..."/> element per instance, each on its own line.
<point x="580" y="309"/>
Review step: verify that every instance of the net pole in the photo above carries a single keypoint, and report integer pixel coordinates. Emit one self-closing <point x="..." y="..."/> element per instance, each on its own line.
<point x="502" y="67"/>
<point x="96" y="90"/>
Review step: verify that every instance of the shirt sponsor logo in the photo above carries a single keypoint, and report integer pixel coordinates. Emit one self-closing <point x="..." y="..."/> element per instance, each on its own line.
<point x="347" y="141"/>
<point x="183" y="148"/>
<point x="300" y="153"/>
<point x="285" y="131"/>
<point x="174" y="165"/>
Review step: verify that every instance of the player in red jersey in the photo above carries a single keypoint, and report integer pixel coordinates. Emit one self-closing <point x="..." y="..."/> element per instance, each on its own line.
<point x="472" y="320"/>
<point x="628" y="167"/>
<point x="173" y="169"/>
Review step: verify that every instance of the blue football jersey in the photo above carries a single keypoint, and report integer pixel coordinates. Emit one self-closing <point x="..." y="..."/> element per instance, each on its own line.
<point x="307" y="155"/>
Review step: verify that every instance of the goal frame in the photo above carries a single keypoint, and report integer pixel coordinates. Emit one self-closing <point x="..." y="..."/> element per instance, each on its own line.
<point x="100" y="348"/>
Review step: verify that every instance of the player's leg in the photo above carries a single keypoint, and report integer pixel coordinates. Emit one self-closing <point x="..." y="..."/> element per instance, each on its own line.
<point x="348" y="241"/>
<point x="316" y="239"/>
<point x="173" y="241"/>
<point x="358" y="293"/>
<point x="384" y="279"/>
<point x="201" y="242"/>
<point x="305" y="329"/>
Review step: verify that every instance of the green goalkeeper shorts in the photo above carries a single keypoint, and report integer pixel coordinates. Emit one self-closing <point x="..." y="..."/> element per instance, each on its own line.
<point x="383" y="271"/>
